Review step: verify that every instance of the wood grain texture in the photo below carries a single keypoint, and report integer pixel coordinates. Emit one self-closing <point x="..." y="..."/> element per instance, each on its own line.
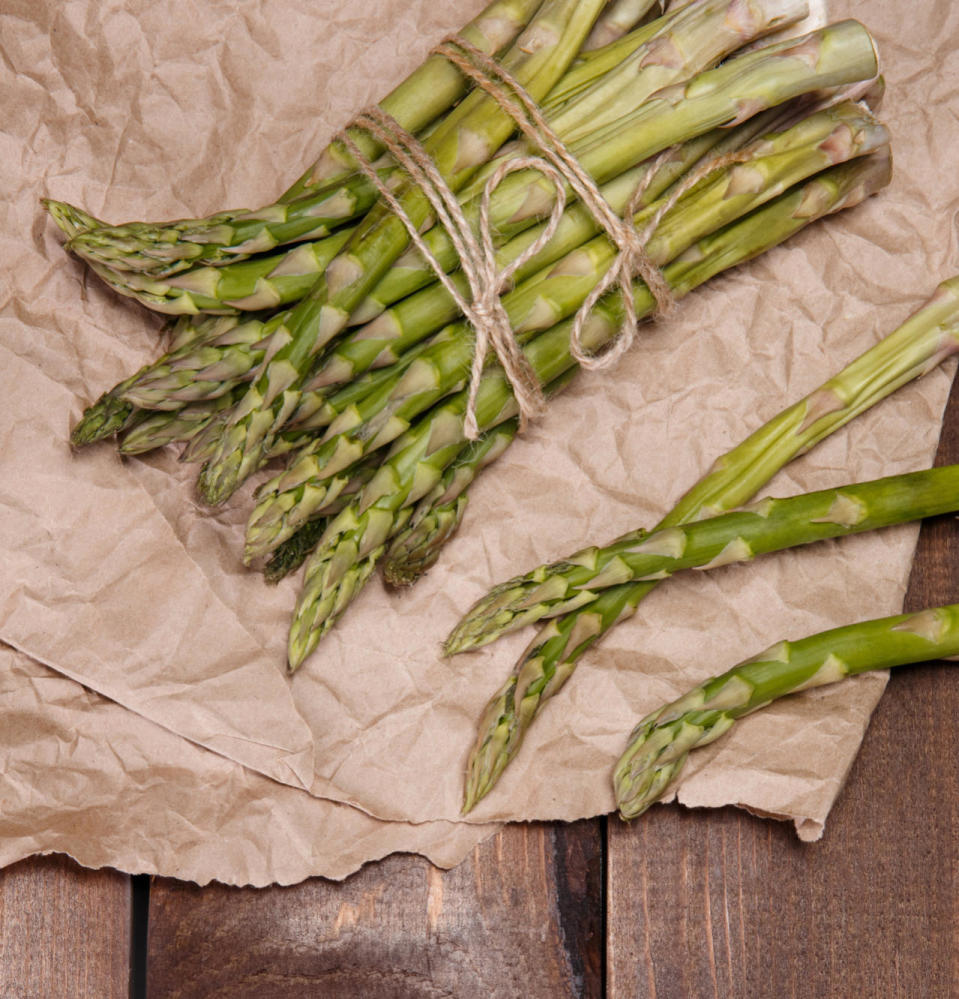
<point x="723" y="904"/>
<point x="64" y="931"/>
<point x="522" y="916"/>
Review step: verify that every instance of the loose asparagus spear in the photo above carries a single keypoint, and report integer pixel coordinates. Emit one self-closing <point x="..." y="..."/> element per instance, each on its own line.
<point x="468" y="137"/>
<point x="417" y="459"/>
<point x="770" y="525"/>
<point x="918" y="346"/>
<point x="660" y="743"/>
<point x="541" y="302"/>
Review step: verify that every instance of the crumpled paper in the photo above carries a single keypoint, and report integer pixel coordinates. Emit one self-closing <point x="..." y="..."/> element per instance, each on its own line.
<point x="81" y="775"/>
<point x="114" y="576"/>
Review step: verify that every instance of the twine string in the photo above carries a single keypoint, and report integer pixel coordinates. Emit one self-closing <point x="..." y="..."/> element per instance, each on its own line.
<point x="632" y="258"/>
<point x="487" y="281"/>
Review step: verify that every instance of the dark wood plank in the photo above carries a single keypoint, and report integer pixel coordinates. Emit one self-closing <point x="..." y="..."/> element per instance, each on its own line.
<point x="722" y="904"/>
<point x="521" y="916"/>
<point x="64" y="931"/>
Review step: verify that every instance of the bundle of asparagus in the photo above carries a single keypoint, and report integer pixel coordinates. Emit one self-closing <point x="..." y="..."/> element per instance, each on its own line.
<point x="660" y="743"/>
<point x="595" y="589"/>
<point x="322" y="337"/>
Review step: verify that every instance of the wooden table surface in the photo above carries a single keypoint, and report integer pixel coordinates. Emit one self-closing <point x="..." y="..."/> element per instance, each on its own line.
<point x="682" y="904"/>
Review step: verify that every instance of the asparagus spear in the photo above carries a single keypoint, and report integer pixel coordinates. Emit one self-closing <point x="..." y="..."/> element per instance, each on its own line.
<point x="660" y="743"/>
<point x="616" y="20"/>
<point x="255" y="284"/>
<point x="147" y="430"/>
<point x="295" y="550"/>
<point x="468" y="137"/>
<point x="203" y="369"/>
<point x="417" y="459"/>
<point x="289" y="556"/>
<point x="113" y="411"/>
<point x="918" y="346"/>
<point x="70" y="220"/>
<point x="770" y="525"/>
<point x="805" y="149"/>
<point x="577" y="225"/>
<point x="437" y="516"/>
<point x="425" y="95"/>
<point x="680" y="45"/>
<point x="120" y="255"/>
<point x="416" y="548"/>
<point x="263" y="282"/>
<point x="164" y="251"/>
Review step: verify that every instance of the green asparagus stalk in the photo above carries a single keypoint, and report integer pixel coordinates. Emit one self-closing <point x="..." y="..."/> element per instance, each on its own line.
<point x="468" y="137"/>
<point x="591" y="64"/>
<point x="417" y="460"/>
<point x="916" y="347"/>
<point x="69" y="219"/>
<point x="434" y="304"/>
<point x="415" y="550"/>
<point x="204" y="369"/>
<point x="295" y="550"/>
<point x="164" y="251"/>
<point x="660" y="743"/>
<point x="437" y="516"/>
<point x="118" y="255"/>
<point x="264" y="282"/>
<point x="807" y="148"/>
<point x="770" y="525"/>
<point x="425" y="95"/>
<point x="686" y="29"/>
<point x="618" y="18"/>
<point x="289" y="556"/>
<point x="681" y="45"/>
<point x="113" y="411"/>
<point x="148" y="430"/>
<point x="429" y="92"/>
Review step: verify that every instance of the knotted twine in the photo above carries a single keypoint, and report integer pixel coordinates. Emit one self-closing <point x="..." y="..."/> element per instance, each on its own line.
<point x="484" y="310"/>
<point x="486" y="281"/>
